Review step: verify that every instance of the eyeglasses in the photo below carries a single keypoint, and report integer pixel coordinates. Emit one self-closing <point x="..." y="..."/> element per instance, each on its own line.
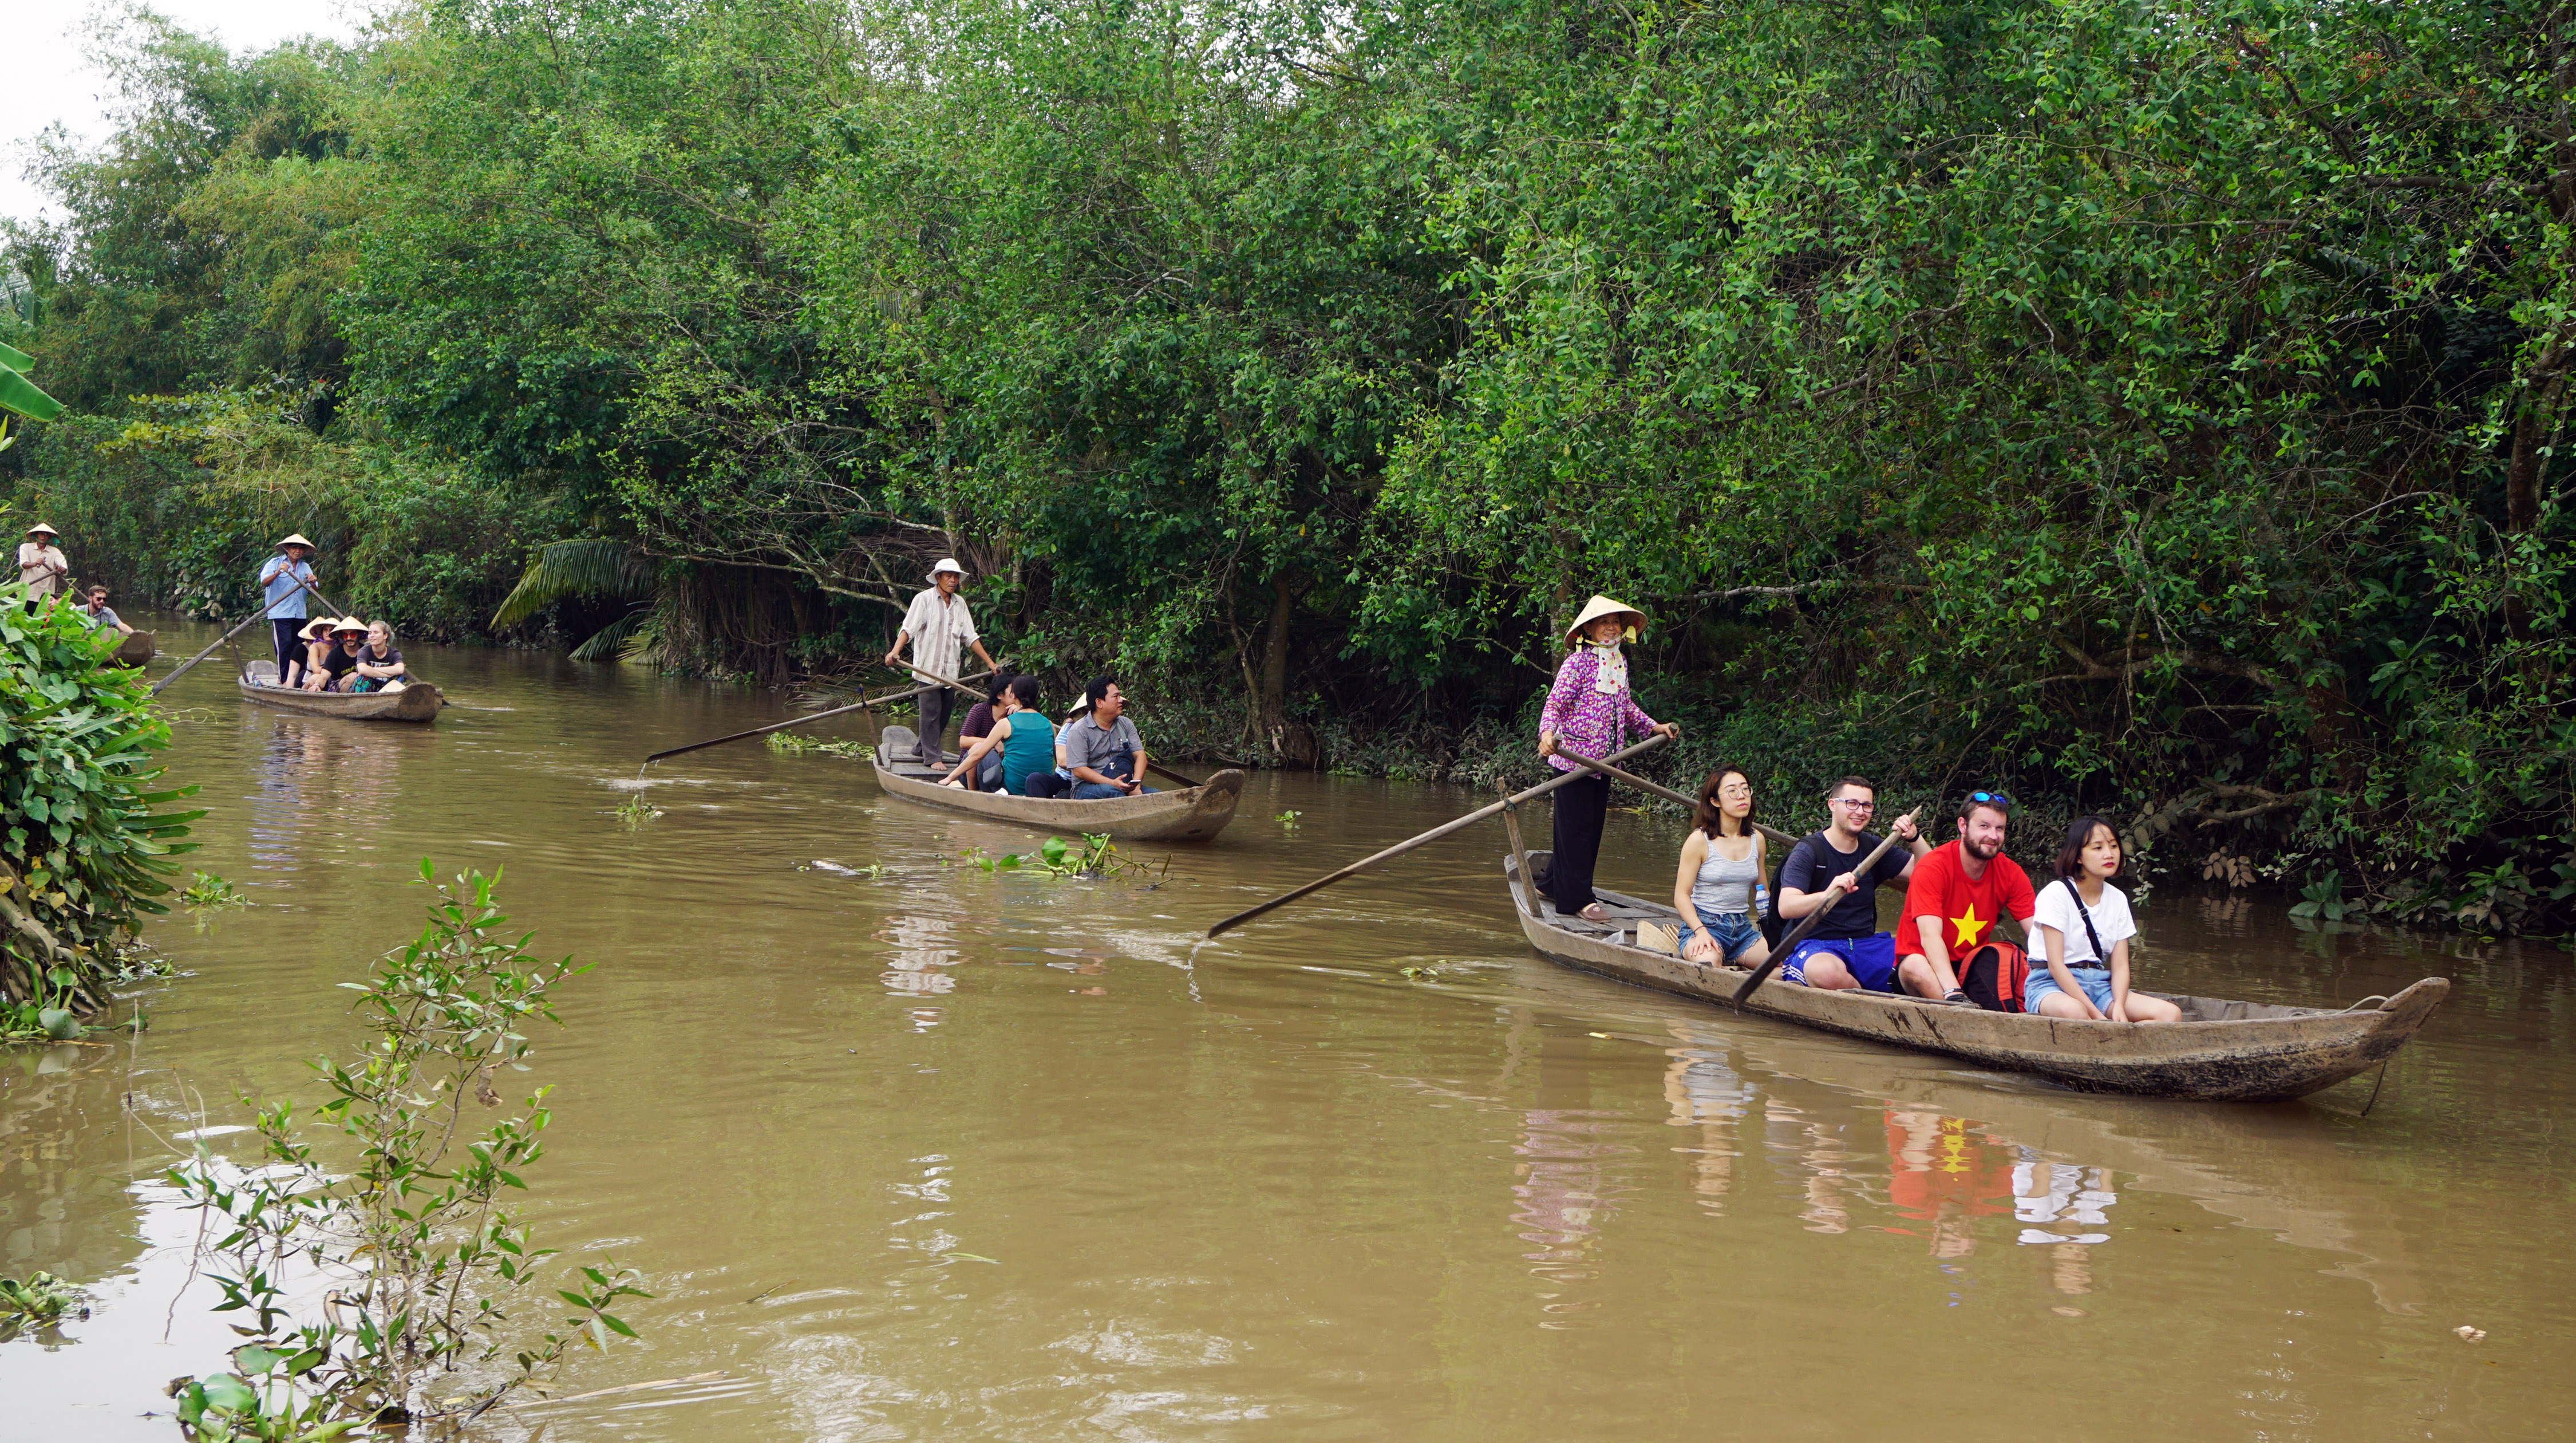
<point x="1991" y="798"/>
<point x="1737" y="790"/>
<point x="1856" y="804"/>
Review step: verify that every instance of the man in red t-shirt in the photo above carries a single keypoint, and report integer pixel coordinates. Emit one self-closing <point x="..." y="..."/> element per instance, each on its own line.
<point x="1957" y="895"/>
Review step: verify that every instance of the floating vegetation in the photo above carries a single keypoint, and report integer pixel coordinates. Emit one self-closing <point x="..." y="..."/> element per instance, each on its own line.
<point x="635" y="811"/>
<point x="211" y="893"/>
<point x="47" y="1016"/>
<point x="790" y="744"/>
<point x="1288" y="819"/>
<point x="871" y="872"/>
<point x="42" y="1301"/>
<point x="1097" y="857"/>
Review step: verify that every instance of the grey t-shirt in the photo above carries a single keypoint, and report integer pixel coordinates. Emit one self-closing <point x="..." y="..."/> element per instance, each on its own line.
<point x="1086" y="745"/>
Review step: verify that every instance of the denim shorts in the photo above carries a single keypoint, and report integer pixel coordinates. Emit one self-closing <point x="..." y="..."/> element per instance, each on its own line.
<point x="2096" y="982"/>
<point x="1734" y="932"/>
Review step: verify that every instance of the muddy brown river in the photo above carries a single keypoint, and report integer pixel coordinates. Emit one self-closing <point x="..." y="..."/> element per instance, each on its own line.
<point x="946" y="1155"/>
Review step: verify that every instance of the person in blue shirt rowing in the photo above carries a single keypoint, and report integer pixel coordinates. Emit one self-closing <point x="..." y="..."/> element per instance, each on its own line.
<point x="282" y="581"/>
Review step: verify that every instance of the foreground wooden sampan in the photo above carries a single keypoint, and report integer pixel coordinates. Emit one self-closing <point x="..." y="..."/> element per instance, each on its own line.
<point x="135" y="650"/>
<point x="1193" y="815"/>
<point x="2221" y="1051"/>
<point x="417" y="702"/>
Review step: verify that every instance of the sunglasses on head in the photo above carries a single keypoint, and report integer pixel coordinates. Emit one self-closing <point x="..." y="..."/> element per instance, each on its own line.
<point x="1997" y="799"/>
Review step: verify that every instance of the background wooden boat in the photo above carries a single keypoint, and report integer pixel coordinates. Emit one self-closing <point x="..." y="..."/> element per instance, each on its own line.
<point x="1191" y="815"/>
<point x="418" y="702"/>
<point x="135" y="650"/>
<point x="2222" y="1050"/>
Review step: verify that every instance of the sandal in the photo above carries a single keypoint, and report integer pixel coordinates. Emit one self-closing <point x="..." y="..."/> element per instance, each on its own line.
<point x="1592" y="913"/>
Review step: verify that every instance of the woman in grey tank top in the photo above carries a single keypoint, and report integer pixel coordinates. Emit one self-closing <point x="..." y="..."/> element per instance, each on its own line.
<point x="1719" y="881"/>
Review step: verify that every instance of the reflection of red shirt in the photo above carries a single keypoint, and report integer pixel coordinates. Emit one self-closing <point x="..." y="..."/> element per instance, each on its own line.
<point x="1968" y="910"/>
<point x="1946" y="1164"/>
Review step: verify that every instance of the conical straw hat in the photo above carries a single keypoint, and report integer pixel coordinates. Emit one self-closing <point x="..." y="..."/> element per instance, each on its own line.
<point x="1600" y="606"/>
<point x="296" y="538"/>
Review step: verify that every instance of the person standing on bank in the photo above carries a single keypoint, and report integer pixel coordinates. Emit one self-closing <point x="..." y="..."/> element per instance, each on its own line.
<point x="41" y="564"/>
<point x="937" y="627"/>
<point x="1589" y="713"/>
<point x="1846" y="950"/>
<point x="282" y="580"/>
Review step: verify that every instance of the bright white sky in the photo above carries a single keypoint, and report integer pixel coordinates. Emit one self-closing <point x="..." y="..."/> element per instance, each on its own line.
<point x="49" y="79"/>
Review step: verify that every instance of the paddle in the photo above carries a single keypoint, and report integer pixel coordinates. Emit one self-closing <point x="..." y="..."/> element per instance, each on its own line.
<point x="182" y="668"/>
<point x="1799" y="933"/>
<point x="1435" y="834"/>
<point x="864" y="703"/>
<point x="1151" y="765"/>
<point x="1668" y="794"/>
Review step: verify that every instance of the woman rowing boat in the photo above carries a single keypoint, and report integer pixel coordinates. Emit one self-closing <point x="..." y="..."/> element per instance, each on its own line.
<point x="1589" y="713"/>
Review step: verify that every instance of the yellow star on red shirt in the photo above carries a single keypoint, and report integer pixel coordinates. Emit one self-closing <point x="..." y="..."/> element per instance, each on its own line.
<point x="1969" y="928"/>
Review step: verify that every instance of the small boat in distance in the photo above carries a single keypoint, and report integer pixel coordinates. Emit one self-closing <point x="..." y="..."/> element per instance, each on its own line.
<point x="2222" y="1051"/>
<point x="416" y="702"/>
<point x="1191" y="815"/>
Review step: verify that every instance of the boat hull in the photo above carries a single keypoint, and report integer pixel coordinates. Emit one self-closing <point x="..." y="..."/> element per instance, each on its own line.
<point x="417" y="702"/>
<point x="135" y="650"/>
<point x="2224" y="1051"/>
<point x="1193" y="815"/>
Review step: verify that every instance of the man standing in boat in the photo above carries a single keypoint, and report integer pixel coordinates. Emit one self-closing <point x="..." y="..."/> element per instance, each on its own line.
<point x="1963" y="887"/>
<point x="41" y="564"/>
<point x="938" y="627"/>
<point x="282" y="581"/>
<point x="1846" y="950"/>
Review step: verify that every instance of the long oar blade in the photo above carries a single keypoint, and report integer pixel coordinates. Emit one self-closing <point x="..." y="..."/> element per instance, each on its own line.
<point x="1435" y="834"/>
<point x="864" y="704"/>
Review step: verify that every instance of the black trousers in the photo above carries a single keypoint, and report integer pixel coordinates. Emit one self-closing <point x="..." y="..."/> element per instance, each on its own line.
<point x="936" y="706"/>
<point x="1580" y="809"/>
<point x="282" y="629"/>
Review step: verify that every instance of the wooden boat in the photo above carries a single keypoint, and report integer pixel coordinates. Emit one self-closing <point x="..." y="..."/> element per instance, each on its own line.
<point x="2222" y="1051"/>
<point x="416" y="702"/>
<point x="1192" y="815"/>
<point x="135" y="650"/>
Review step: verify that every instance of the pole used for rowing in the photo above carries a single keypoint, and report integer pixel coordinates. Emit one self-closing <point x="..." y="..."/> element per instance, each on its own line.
<point x="1151" y="765"/>
<point x="182" y="668"/>
<point x="1667" y="793"/>
<point x="1797" y="935"/>
<point x="1435" y="834"/>
<point x="864" y="703"/>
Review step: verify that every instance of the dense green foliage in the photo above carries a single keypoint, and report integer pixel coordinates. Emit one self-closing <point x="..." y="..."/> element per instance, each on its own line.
<point x="83" y="850"/>
<point x="2154" y="409"/>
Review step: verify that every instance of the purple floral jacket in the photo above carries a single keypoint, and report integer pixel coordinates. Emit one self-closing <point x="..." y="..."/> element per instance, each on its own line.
<point x="1589" y="707"/>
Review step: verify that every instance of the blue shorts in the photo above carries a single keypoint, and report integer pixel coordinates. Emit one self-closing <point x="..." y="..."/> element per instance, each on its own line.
<point x="1871" y="960"/>
<point x="1734" y="932"/>
<point x="2096" y="982"/>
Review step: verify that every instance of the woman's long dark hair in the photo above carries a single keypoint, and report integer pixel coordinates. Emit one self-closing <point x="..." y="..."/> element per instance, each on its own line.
<point x="1709" y="818"/>
<point x="2079" y="835"/>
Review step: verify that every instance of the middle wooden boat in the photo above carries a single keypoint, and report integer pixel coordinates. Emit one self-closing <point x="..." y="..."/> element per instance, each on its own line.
<point x="2222" y="1051"/>
<point x="417" y="702"/>
<point x="1195" y="814"/>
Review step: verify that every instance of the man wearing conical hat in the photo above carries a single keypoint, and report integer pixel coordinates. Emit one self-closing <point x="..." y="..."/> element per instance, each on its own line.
<point x="937" y="627"/>
<point x="41" y="564"/>
<point x="1590" y="713"/>
<point x="282" y="580"/>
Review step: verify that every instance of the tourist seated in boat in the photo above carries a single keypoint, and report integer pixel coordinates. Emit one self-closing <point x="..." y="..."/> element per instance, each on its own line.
<point x="380" y="664"/>
<point x="1101" y="751"/>
<point x="95" y="610"/>
<point x="1020" y="746"/>
<point x="1589" y="713"/>
<point x="1846" y="950"/>
<point x="2079" y="915"/>
<point x="313" y="647"/>
<point x="340" y="661"/>
<point x="979" y="723"/>
<point x="1959" y="891"/>
<point x="1723" y="864"/>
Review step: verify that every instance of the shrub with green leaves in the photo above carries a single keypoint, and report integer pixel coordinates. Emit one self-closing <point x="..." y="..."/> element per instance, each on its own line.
<point x="84" y="846"/>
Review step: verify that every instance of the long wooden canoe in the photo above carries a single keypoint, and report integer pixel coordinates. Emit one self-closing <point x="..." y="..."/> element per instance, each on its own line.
<point x="1195" y="814"/>
<point x="416" y="702"/>
<point x="136" y="649"/>
<point x="2222" y="1050"/>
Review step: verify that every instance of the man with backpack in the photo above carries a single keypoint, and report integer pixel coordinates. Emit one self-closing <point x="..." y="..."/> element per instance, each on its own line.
<point x="1957" y="894"/>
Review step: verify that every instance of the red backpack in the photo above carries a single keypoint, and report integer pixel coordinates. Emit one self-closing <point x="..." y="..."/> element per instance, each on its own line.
<point x="1994" y="976"/>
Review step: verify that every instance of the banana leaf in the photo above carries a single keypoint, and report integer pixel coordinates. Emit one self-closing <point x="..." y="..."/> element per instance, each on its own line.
<point x="19" y="394"/>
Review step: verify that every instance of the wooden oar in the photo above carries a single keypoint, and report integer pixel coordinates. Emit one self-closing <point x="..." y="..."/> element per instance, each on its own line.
<point x="1435" y="834"/>
<point x="864" y="703"/>
<point x="1797" y="935"/>
<point x="1667" y="793"/>
<point x="1151" y="765"/>
<point x="182" y="668"/>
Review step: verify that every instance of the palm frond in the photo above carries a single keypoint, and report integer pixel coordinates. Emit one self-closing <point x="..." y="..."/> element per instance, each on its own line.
<point x="608" y="643"/>
<point x="576" y="568"/>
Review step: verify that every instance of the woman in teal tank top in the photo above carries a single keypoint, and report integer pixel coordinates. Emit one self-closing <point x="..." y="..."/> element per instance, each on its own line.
<point x="1023" y="732"/>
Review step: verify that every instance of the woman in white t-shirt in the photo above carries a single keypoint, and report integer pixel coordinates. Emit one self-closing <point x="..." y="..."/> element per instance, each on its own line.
<point x="2080" y="916"/>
